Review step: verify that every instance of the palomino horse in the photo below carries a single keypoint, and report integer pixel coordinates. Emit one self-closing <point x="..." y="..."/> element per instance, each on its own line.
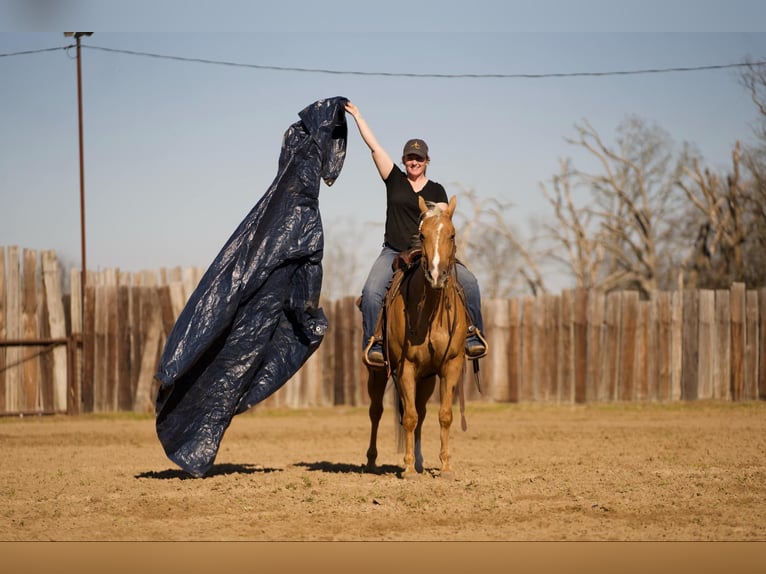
<point x="426" y="325"/>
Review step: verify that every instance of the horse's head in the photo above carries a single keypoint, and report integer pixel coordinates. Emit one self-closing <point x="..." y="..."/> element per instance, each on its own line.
<point x="437" y="236"/>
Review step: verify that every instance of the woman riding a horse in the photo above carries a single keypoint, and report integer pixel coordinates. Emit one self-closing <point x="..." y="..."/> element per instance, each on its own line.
<point x="430" y="327"/>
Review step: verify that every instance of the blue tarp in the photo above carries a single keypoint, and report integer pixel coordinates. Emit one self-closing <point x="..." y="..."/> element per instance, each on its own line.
<point x="254" y="318"/>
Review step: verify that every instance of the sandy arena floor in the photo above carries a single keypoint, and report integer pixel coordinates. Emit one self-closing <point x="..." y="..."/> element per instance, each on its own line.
<point x="678" y="472"/>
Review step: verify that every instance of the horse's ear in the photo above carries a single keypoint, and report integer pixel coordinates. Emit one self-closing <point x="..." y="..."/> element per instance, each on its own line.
<point x="422" y="204"/>
<point x="452" y="204"/>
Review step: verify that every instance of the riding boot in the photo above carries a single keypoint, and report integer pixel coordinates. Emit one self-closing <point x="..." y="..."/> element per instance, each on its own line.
<point x="475" y="344"/>
<point x="373" y="353"/>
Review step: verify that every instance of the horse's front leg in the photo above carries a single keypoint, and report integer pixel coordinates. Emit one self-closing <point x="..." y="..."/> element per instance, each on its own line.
<point x="425" y="389"/>
<point x="376" y="387"/>
<point x="406" y="381"/>
<point x="452" y="372"/>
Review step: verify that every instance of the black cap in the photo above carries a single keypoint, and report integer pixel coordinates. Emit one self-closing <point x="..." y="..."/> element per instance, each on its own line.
<point x="416" y="147"/>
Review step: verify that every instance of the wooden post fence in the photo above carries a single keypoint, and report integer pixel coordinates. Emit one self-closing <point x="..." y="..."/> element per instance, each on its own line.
<point x="576" y="347"/>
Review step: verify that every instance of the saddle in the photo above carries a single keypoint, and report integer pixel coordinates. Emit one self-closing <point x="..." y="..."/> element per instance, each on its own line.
<point x="404" y="263"/>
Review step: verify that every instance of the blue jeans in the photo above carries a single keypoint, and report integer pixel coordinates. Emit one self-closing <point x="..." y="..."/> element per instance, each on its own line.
<point x="379" y="278"/>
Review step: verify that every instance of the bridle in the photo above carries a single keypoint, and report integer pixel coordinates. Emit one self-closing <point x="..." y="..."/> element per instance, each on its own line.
<point x="444" y="302"/>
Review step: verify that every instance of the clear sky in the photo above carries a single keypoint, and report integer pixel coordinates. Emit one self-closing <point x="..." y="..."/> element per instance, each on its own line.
<point x="178" y="152"/>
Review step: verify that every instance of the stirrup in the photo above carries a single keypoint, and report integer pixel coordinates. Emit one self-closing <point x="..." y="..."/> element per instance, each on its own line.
<point x="475" y="331"/>
<point x="369" y="361"/>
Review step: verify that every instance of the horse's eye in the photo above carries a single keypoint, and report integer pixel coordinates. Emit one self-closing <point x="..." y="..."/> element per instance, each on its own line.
<point x="420" y="236"/>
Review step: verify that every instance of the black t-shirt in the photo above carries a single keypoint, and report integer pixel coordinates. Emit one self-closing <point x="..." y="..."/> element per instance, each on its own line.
<point x="402" y="211"/>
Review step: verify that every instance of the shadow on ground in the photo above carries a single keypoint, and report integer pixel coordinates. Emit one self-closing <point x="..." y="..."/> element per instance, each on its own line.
<point x="217" y="470"/>
<point x="345" y="468"/>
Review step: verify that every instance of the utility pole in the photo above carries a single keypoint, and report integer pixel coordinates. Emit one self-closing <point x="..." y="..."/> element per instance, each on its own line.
<point x="77" y="36"/>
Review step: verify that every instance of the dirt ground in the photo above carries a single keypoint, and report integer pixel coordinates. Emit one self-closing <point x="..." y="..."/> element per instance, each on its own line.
<point x="679" y="472"/>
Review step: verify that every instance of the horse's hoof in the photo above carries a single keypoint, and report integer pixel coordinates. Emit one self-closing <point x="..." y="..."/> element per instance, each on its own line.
<point x="447" y="475"/>
<point x="409" y="475"/>
<point x="371" y="468"/>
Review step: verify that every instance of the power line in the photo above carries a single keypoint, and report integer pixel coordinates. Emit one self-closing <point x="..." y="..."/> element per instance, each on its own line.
<point x="404" y="74"/>
<point x="25" y="52"/>
<point x="421" y="75"/>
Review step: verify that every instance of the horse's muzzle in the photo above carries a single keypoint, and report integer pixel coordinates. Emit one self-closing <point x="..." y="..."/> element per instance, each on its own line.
<point x="437" y="278"/>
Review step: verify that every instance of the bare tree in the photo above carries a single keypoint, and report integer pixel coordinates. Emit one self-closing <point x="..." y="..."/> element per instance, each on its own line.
<point x="583" y="251"/>
<point x="754" y="81"/>
<point x="716" y="257"/>
<point x="632" y="206"/>
<point x="489" y="246"/>
<point x="754" y="163"/>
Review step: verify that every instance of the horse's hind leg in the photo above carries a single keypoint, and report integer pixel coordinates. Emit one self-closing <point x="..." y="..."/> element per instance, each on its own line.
<point x="425" y="389"/>
<point x="376" y="387"/>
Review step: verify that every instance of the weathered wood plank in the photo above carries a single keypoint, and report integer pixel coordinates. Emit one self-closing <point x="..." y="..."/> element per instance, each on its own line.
<point x="707" y="350"/>
<point x="566" y="364"/>
<point x="32" y="394"/>
<point x="310" y="372"/>
<point x="690" y="358"/>
<point x="313" y="369"/>
<point x="174" y="274"/>
<point x="166" y="309"/>
<point x="738" y="341"/>
<point x="677" y="325"/>
<point x="351" y="351"/>
<point x="89" y="349"/>
<point x="611" y="364"/>
<point x="3" y="332"/>
<point x="762" y="347"/>
<point x="595" y="330"/>
<point x="539" y="348"/>
<point x="146" y="278"/>
<point x="46" y="352"/>
<point x="56" y="327"/>
<point x="495" y="371"/>
<point x="190" y="283"/>
<point x="324" y="391"/>
<point x="143" y="401"/>
<point x="177" y="297"/>
<point x="722" y="345"/>
<point x="548" y="348"/>
<point x="628" y="333"/>
<point x="528" y="361"/>
<point x="664" y="346"/>
<point x="654" y="350"/>
<point x="13" y="378"/>
<point x="752" y="345"/>
<point x="514" y="350"/>
<point x="580" y="335"/>
<point x="100" y="351"/>
<point x="340" y="336"/>
<point x="75" y="301"/>
<point x="137" y="342"/>
<point x="125" y="390"/>
<point x="112" y="363"/>
<point x="642" y="351"/>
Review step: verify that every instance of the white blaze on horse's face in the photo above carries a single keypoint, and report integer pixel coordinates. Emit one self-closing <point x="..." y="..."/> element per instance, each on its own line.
<point x="433" y="268"/>
<point x="437" y="236"/>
